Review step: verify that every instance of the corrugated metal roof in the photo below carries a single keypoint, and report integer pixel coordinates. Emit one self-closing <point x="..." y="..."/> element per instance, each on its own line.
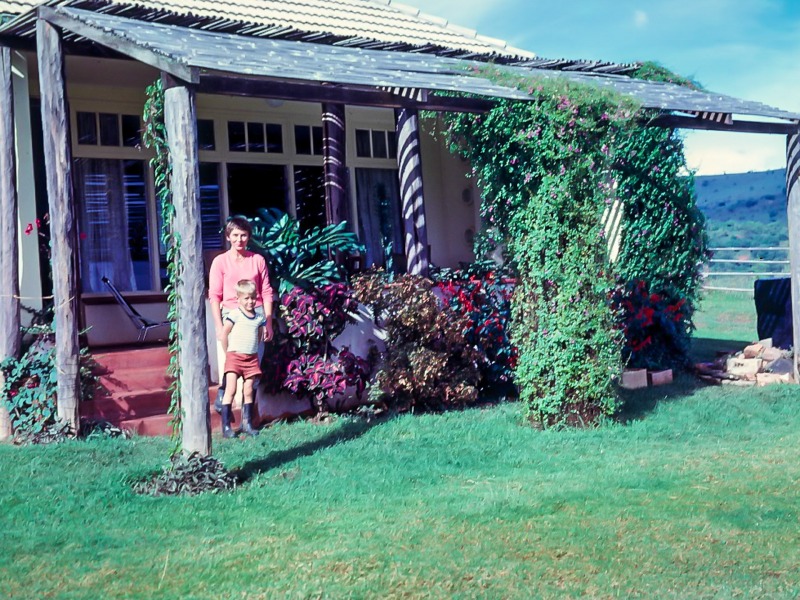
<point x="299" y="61"/>
<point x="357" y="22"/>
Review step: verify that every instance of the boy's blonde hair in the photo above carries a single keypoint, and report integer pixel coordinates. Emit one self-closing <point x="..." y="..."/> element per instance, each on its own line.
<point x="245" y="287"/>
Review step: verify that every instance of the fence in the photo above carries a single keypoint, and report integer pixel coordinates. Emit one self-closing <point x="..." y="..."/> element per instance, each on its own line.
<point x="733" y="269"/>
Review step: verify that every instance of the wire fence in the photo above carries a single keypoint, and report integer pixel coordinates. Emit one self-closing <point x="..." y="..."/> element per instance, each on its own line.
<point x="735" y="269"/>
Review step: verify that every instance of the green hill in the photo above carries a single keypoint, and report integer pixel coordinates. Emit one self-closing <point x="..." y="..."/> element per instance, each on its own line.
<point x="744" y="209"/>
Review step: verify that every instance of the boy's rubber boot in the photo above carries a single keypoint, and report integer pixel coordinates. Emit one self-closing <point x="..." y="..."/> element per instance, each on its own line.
<point x="227" y="431"/>
<point x="218" y="400"/>
<point x="247" y="420"/>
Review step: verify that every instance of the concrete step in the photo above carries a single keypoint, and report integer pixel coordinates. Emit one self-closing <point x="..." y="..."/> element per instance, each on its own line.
<point x="132" y="380"/>
<point x="126" y="357"/>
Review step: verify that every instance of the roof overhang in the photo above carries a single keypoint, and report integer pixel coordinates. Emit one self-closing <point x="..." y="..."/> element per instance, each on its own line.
<point x="225" y="63"/>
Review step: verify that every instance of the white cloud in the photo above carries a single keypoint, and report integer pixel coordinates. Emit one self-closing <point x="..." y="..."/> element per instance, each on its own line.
<point x="640" y="18"/>
<point x="713" y="152"/>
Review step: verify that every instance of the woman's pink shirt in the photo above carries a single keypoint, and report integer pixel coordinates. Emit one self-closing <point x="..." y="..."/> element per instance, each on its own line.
<point x="226" y="272"/>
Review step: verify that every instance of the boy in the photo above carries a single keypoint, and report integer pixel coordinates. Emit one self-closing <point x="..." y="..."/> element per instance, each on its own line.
<point x="241" y="332"/>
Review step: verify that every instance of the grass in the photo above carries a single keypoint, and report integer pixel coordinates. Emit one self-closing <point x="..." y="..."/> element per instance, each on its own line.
<point x="694" y="495"/>
<point x="725" y="321"/>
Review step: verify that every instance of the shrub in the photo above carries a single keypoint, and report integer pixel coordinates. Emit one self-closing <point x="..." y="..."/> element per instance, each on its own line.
<point x="303" y="359"/>
<point x="656" y="324"/>
<point x="481" y="295"/>
<point x="30" y="381"/>
<point x="428" y="362"/>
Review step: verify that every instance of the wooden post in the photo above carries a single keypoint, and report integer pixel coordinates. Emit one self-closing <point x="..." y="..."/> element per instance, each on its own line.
<point x="793" y="214"/>
<point x="333" y="160"/>
<point x="58" y="165"/>
<point x="409" y="162"/>
<point x="181" y="125"/>
<point x="9" y="244"/>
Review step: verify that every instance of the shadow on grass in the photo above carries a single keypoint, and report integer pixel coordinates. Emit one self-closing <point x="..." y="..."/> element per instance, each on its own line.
<point x="637" y="404"/>
<point x="707" y="349"/>
<point x="351" y="430"/>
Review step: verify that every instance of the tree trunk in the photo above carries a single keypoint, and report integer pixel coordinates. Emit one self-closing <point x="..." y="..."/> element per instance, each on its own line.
<point x="58" y="164"/>
<point x="181" y="125"/>
<point x="9" y="247"/>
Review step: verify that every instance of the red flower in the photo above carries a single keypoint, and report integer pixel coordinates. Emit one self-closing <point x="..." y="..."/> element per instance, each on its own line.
<point x="29" y="229"/>
<point x="83" y="235"/>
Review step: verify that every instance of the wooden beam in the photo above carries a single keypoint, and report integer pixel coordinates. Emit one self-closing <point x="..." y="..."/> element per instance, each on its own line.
<point x="9" y="243"/>
<point x="409" y="161"/>
<point x="58" y="166"/>
<point x="118" y="44"/>
<point x="793" y="214"/>
<point x="181" y="125"/>
<point x="335" y="94"/>
<point x="681" y="122"/>
<point x="334" y="155"/>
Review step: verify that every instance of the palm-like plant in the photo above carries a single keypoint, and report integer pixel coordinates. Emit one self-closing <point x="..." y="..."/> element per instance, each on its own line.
<point x="301" y="258"/>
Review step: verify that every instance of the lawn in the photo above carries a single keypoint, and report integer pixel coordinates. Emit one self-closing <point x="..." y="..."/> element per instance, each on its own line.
<point x="695" y="495"/>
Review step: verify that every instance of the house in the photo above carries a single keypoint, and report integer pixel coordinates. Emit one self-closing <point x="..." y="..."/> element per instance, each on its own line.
<point x="310" y="106"/>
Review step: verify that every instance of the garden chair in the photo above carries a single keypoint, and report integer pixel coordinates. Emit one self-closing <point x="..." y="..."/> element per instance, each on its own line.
<point x="142" y="324"/>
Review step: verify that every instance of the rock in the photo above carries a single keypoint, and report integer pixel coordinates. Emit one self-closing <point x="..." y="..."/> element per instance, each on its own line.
<point x="782" y="366"/>
<point x="753" y="350"/>
<point x="660" y="377"/>
<point x="743" y="366"/>
<point x="770" y="354"/>
<point x="739" y="382"/>
<point x="763" y="379"/>
<point x="766" y="342"/>
<point x="633" y="379"/>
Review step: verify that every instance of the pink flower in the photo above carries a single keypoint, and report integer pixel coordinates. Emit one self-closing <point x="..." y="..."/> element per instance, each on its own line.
<point x="29" y="229"/>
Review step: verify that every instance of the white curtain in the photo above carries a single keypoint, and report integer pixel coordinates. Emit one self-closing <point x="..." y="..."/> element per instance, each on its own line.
<point x="104" y="234"/>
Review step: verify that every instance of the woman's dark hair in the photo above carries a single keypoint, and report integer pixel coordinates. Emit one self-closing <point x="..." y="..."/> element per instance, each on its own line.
<point x="238" y="222"/>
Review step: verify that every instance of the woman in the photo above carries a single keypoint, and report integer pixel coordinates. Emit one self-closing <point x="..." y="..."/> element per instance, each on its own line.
<point x="226" y="271"/>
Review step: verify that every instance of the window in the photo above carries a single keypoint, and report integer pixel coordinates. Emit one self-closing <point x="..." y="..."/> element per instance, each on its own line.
<point x="379" y="219"/>
<point x="108" y="129"/>
<point x="252" y="187"/>
<point x="205" y="134"/>
<point x="255" y="137"/>
<point x="376" y="143"/>
<point x="308" y="139"/>
<point x="114" y="232"/>
<point x="309" y="197"/>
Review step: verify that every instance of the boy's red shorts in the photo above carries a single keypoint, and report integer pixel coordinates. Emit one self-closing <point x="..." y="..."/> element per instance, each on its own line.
<point x="244" y="365"/>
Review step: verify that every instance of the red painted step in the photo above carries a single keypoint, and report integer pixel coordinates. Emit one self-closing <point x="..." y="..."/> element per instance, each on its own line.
<point x="113" y="359"/>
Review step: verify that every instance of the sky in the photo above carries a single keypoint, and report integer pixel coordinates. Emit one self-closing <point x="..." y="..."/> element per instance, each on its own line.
<point x="749" y="49"/>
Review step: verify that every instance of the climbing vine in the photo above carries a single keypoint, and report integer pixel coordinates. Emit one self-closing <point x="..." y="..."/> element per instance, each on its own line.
<point x="549" y="168"/>
<point x="155" y="136"/>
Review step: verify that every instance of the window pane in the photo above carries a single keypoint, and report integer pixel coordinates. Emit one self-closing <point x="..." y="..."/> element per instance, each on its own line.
<point x="205" y="134"/>
<point x="114" y="235"/>
<point x="379" y="219"/>
<point x="109" y="129"/>
<point x="274" y="138"/>
<point x="317" y="133"/>
<point x="378" y="144"/>
<point x="236" y="138"/>
<point x="362" y="143"/>
<point x="391" y="142"/>
<point x="131" y="131"/>
<point x="251" y="187"/>
<point x="302" y="139"/>
<point x="255" y="137"/>
<point x="87" y="128"/>
<point x="210" y="217"/>
<point x="309" y="197"/>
